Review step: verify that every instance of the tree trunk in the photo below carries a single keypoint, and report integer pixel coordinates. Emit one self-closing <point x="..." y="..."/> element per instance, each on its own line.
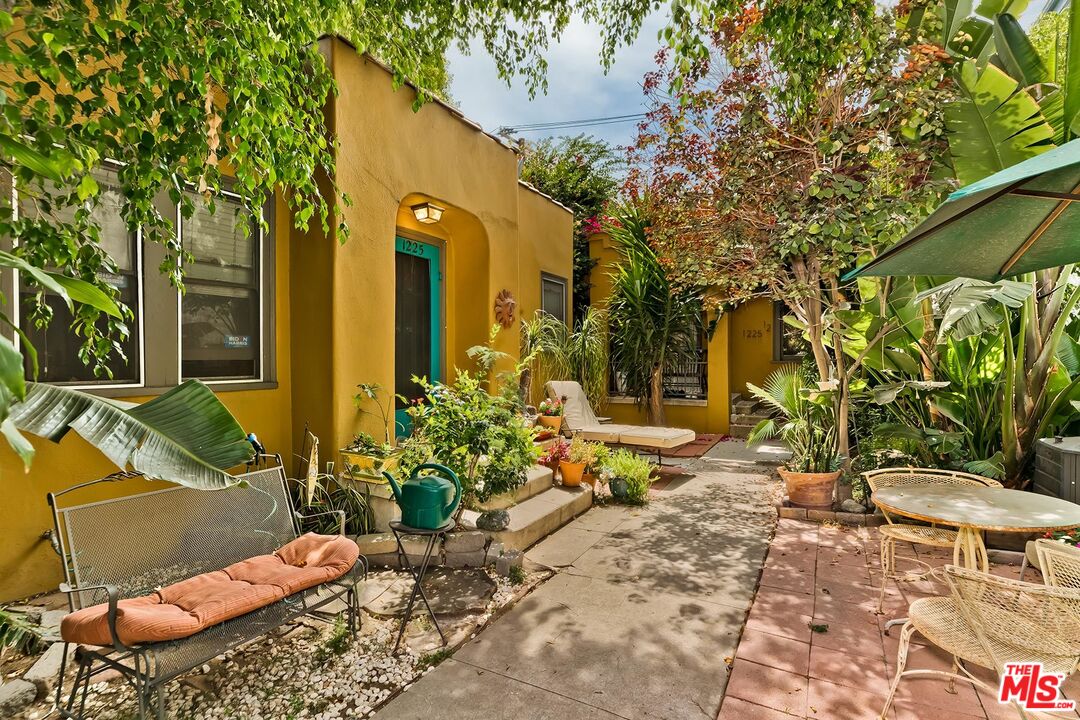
<point x="656" y="397"/>
<point x="843" y="394"/>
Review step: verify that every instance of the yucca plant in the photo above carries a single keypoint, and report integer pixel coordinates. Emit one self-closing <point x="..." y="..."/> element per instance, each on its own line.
<point x="808" y="422"/>
<point x="654" y="323"/>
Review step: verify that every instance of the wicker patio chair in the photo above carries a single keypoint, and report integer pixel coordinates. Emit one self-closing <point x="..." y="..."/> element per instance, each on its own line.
<point x="1059" y="563"/>
<point x="895" y="532"/>
<point x="990" y="621"/>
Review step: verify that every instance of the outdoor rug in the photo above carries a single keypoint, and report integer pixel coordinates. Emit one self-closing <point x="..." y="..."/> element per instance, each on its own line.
<point x="694" y="449"/>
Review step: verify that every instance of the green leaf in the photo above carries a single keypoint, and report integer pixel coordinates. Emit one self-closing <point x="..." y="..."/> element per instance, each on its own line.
<point x="37" y="162"/>
<point x="18" y="442"/>
<point x="81" y="291"/>
<point x="994" y="124"/>
<point x="186" y="436"/>
<point x="11" y="373"/>
<point x="1018" y="54"/>
<point x="1071" y="81"/>
<point x="87" y="188"/>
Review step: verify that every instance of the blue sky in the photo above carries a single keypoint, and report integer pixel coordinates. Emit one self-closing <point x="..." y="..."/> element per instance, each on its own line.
<point x="577" y="85"/>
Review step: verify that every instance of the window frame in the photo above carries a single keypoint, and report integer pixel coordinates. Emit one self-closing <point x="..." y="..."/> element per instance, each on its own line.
<point x="552" y="277"/>
<point x="266" y="352"/>
<point x="160" y="352"/>
<point x="12" y="290"/>
<point x="778" y="355"/>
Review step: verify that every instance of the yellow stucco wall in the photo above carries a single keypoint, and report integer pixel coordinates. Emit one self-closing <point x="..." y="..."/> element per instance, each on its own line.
<point x="496" y="234"/>
<point x="335" y="302"/>
<point x="27" y="563"/>
<point x="709" y="416"/>
<point x="751" y="344"/>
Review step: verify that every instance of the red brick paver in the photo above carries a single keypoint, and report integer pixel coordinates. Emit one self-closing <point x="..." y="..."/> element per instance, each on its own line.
<point x="814" y="647"/>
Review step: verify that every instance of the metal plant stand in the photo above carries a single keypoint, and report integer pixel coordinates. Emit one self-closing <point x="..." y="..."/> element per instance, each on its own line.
<point x="418" y="573"/>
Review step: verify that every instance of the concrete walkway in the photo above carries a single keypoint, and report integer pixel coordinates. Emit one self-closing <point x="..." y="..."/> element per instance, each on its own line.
<point x="640" y="622"/>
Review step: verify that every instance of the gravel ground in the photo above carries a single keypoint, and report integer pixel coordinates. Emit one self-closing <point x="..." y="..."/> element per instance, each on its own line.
<point x="302" y="673"/>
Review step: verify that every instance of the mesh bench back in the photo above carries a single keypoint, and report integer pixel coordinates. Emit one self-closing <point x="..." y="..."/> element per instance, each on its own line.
<point x="142" y="542"/>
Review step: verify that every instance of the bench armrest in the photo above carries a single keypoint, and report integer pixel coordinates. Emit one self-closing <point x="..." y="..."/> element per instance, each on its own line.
<point x="113" y="600"/>
<point x="603" y="420"/>
<point x="339" y="513"/>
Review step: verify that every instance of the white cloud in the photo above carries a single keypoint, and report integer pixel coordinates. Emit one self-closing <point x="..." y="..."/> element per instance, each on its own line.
<point x="577" y="85"/>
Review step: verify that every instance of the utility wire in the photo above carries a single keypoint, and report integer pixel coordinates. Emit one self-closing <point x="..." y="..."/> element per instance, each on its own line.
<point x="568" y="124"/>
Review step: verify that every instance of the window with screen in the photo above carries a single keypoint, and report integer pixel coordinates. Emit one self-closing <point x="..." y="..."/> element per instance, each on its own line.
<point x="57" y="346"/>
<point x="788" y="341"/>
<point x="553" y="296"/>
<point x="220" y="310"/>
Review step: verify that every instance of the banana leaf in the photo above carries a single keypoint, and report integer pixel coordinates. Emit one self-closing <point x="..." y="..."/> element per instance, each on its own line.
<point x="1017" y="53"/>
<point x="994" y="124"/>
<point x="186" y="436"/>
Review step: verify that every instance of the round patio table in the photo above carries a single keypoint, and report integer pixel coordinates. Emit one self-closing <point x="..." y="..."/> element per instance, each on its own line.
<point x="974" y="509"/>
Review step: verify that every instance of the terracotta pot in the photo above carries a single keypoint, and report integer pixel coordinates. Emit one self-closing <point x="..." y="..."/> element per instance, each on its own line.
<point x="571" y="473"/>
<point x="553" y="466"/>
<point x="551" y="421"/>
<point x="810" y="490"/>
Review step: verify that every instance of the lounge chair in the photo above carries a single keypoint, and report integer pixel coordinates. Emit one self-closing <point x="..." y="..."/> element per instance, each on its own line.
<point x="580" y="420"/>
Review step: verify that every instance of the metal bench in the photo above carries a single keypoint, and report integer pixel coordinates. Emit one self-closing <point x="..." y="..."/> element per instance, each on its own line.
<point x="130" y="546"/>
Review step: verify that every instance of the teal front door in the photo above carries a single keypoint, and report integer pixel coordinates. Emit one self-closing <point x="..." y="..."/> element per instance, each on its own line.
<point x="417" y="322"/>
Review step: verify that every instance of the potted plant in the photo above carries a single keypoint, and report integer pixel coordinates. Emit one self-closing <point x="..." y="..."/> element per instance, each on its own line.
<point x="628" y="476"/>
<point x="808" y="426"/>
<point x="582" y="457"/>
<point x="551" y="413"/>
<point x="366" y="458"/>
<point x="559" y="450"/>
<point x="474" y="433"/>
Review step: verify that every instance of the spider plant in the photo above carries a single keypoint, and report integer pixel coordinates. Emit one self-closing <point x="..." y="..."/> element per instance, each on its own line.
<point x="807" y="423"/>
<point x="558" y="353"/>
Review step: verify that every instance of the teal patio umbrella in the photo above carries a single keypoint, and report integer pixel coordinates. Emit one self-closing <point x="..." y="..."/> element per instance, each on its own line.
<point x="1023" y="218"/>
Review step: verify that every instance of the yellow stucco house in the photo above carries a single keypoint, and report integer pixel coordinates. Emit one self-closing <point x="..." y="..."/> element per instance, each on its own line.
<point x="748" y="343"/>
<point x="284" y="325"/>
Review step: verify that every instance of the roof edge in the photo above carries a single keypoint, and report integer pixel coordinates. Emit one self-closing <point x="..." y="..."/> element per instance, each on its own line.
<point x="455" y="112"/>
<point x="529" y="186"/>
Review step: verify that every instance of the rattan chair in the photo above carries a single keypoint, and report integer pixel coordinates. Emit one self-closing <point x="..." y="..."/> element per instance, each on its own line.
<point x="1059" y="563"/>
<point x="895" y="532"/>
<point x="989" y="621"/>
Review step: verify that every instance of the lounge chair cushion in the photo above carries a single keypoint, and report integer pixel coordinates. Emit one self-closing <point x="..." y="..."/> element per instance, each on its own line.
<point x="577" y="412"/>
<point x="657" y="437"/>
<point x="184" y="608"/>
<point x="609" y="433"/>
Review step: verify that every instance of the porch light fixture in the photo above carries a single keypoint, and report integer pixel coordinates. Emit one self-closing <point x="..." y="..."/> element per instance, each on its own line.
<point x="427" y="213"/>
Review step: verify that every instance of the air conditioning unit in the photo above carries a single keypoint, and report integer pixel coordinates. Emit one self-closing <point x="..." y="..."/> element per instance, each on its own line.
<point x="1057" y="467"/>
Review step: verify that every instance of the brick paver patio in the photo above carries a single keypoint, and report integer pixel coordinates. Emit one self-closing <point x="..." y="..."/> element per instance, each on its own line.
<point x="820" y="576"/>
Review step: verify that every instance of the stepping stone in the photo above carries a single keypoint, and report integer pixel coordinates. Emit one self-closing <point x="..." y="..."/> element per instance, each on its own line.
<point x="15" y="695"/>
<point x="44" y="673"/>
<point x="449" y="592"/>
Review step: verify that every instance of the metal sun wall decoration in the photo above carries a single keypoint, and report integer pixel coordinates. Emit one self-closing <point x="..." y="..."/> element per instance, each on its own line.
<point x="504" y="308"/>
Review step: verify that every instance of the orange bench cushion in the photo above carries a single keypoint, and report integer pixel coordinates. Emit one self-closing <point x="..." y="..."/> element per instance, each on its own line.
<point x="184" y="608"/>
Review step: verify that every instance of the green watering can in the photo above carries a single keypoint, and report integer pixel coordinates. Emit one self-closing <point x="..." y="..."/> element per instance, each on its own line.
<point x="427" y="500"/>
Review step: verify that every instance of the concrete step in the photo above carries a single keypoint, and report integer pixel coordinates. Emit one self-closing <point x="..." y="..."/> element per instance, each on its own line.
<point x="744" y="407"/>
<point x="749" y="419"/>
<point x="539" y="479"/>
<point x="539" y="516"/>
<point x="740" y="431"/>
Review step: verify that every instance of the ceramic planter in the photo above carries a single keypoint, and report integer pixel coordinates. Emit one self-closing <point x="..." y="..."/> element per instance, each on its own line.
<point x="369" y="467"/>
<point x="813" y="491"/>
<point x="571" y="473"/>
<point x="619" y="488"/>
<point x="551" y="421"/>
